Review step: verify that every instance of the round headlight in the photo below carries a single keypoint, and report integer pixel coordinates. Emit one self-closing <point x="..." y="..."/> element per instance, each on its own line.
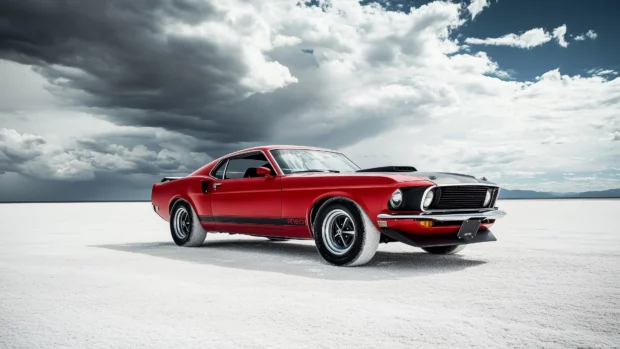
<point x="428" y="199"/>
<point x="487" y="198"/>
<point x="396" y="199"/>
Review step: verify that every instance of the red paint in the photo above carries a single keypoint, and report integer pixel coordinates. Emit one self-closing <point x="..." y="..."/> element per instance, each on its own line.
<point x="285" y="197"/>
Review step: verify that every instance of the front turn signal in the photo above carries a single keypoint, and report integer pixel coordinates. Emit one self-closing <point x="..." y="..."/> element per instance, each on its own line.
<point x="427" y="224"/>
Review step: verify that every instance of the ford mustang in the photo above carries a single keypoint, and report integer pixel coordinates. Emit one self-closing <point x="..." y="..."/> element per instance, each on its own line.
<point x="294" y="192"/>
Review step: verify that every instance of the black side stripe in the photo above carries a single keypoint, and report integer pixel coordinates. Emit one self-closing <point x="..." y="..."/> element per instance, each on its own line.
<point x="253" y="220"/>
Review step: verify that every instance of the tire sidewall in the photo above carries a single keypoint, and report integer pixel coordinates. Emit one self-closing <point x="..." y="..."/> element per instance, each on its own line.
<point x="358" y="242"/>
<point x="175" y="208"/>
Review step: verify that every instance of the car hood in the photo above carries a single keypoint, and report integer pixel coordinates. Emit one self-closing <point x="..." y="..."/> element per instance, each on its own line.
<point x="438" y="178"/>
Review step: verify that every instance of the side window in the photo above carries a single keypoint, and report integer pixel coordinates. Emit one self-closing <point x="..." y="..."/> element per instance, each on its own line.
<point x="218" y="172"/>
<point x="245" y="167"/>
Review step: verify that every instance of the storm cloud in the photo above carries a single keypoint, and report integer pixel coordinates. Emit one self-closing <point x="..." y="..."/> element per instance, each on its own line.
<point x="133" y="63"/>
<point x="220" y="74"/>
<point x="125" y="92"/>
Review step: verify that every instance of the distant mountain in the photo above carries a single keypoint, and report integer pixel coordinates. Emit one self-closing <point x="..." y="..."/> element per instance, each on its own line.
<point x="523" y="194"/>
<point x="531" y="194"/>
<point x="610" y="193"/>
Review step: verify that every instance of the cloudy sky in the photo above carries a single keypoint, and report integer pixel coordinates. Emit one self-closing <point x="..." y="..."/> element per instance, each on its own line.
<point x="101" y="98"/>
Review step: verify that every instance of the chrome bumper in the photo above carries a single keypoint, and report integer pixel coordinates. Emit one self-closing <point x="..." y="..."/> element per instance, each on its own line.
<point x="495" y="214"/>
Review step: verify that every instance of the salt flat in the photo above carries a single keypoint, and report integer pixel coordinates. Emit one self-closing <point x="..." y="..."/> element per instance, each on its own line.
<point x="107" y="275"/>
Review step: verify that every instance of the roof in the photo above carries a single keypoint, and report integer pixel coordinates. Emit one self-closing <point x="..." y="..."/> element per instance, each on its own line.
<point x="264" y="148"/>
<point x="281" y="146"/>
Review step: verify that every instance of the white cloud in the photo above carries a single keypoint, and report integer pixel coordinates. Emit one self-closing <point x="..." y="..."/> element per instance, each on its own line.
<point x="476" y="6"/>
<point x="501" y="128"/>
<point x="559" y="33"/>
<point x="591" y="34"/>
<point x="529" y="39"/>
<point x="602" y="72"/>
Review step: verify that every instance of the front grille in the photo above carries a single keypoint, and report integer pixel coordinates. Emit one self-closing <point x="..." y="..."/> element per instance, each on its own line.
<point x="461" y="197"/>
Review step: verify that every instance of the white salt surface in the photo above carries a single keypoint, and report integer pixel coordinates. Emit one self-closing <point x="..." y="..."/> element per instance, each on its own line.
<point x="107" y="275"/>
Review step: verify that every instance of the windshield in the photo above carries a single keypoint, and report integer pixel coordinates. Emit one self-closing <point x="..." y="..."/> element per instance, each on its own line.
<point x="303" y="160"/>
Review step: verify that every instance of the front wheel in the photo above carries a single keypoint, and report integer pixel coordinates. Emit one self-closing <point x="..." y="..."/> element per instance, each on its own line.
<point x="444" y="249"/>
<point x="341" y="236"/>
<point x="185" y="226"/>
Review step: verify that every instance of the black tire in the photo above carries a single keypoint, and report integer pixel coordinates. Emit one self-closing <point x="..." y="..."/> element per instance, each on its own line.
<point x="352" y="241"/>
<point x="277" y="239"/>
<point x="444" y="249"/>
<point x="185" y="226"/>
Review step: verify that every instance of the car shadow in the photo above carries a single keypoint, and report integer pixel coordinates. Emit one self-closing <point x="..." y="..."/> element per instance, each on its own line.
<point x="301" y="259"/>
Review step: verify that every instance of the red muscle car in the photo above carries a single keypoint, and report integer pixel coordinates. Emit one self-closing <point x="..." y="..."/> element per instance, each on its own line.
<point x="293" y="192"/>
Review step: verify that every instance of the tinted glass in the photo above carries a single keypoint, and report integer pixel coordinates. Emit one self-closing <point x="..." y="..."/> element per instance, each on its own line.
<point x="246" y="167"/>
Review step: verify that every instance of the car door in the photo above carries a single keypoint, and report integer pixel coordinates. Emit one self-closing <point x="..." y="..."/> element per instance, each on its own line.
<point x="242" y="201"/>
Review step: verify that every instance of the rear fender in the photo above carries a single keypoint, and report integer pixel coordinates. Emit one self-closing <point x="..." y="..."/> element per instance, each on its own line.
<point x="165" y="194"/>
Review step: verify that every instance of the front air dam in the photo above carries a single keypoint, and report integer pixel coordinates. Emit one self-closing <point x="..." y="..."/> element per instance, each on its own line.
<point x="430" y="240"/>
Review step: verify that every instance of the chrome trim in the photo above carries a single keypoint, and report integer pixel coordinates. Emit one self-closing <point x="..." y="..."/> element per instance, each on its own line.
<point x="225" y="169"/>
<point x="465" y="184"/>
<point x="402" y="199"/>
<point x="216" y="166"/>
<point x="499" y="190"/>
<point x="462" y="210"/>
<point x="496" y="214"/>
<point x="453" y="185"/>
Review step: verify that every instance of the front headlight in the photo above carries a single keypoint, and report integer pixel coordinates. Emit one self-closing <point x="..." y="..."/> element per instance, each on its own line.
<point x="396" y="199"/>
<point x="487" y="198"/>
<point x="428" y="199"/>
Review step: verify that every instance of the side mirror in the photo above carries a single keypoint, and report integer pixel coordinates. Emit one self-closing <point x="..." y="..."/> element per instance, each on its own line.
<point x="263" y="171"/>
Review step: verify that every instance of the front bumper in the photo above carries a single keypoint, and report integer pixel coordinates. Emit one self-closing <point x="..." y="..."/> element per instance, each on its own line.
<point x="427" y="240"/>
<point x="452" y="216"/>
<point x="415" y="230"/>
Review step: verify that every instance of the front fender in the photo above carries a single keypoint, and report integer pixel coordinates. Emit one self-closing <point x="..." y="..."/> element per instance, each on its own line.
<point x="355" y="199"/>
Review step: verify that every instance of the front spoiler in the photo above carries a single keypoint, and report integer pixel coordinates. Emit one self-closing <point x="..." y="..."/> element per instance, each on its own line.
<point x="491" y="214"/>
<point x="430" y="240"/>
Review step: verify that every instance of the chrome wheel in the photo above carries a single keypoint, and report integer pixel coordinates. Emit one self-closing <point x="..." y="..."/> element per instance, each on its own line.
<point x="338" y="231"/>
<point x="182" y="223"/>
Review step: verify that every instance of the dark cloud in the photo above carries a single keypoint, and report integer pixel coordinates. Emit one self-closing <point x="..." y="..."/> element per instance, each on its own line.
<point x="17" y="149"/>
<point x="122" y="59"/>
<point x="127" y="62"/>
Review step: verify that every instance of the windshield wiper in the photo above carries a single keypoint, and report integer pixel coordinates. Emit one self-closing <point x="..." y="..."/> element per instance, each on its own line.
<point x="316" y="170"/>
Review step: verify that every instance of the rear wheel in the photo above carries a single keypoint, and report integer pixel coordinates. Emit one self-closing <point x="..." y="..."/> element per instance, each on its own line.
<point x="185" y="226"/>
<point x="444" y="249"/>
<point x="341" y="236"/>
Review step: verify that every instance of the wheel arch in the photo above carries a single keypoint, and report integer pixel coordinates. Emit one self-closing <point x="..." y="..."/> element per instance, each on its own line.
<point x="178" y="198"/>
<point x="328" y="198"/>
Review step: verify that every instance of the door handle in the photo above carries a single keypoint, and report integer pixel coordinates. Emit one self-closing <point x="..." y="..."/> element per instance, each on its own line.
<point x="215" y="185"/>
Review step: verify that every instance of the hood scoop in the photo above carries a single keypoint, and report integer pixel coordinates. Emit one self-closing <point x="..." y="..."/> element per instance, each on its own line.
<point x="389" y="169"/>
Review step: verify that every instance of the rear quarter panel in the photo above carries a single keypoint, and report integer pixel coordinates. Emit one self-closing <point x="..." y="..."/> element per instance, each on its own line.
<point x="188" y="189"/>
